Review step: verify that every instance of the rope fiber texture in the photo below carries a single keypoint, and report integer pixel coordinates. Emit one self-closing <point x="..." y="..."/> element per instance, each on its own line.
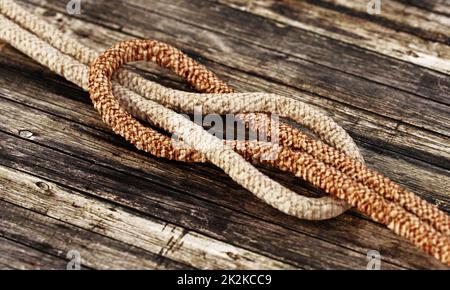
<point x="339" y="171"/>
<point x="150" y="140"/>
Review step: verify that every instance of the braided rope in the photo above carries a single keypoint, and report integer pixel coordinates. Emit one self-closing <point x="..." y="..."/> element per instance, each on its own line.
<point x="392" y="214"/>
<point x="202" y="80"/>
<point x="403" y="223"/>
<point x="212" y="104"/>
<point x="361" y="173"/>
<point x="146" y="138"/>
<point x="151" y="140"/>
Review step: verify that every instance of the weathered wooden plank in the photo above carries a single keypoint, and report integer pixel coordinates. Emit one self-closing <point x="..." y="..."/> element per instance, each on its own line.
<point x="440" y="149"/>
<point x="161" y="238"/>
<point x="57" y="238"/>
<point x="179" y="208"/>
<point x="431" y="148"/>
<point x="365" y="34"/>
<point x="426" y="24"/>
<point x="287" y="224"/>
<point x="290" y="70"/>
<point x="319" y="50"/>
<point x="422" y="178"/>
<point x="436" y="6"/>
<point x="89" y="117"/>
<point x="208" y="184"/>
<point x="419" y="181"/>
<point x="363" y="125"/>
<point x="17" y="256"/>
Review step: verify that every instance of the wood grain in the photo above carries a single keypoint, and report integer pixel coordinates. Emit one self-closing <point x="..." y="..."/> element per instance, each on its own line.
<point x="362" y="123"/>
<point x="16" y="256"/>
<point x="110" y="183"/>
<point x="301" y="73"/>
<point x="437" y="6"/>
<point x="427" y="24"/>
<point x="54" y="237"/>
<point x="165" y="239"/>
<point x="67" y="183"/>
<point x="357" y="31"/>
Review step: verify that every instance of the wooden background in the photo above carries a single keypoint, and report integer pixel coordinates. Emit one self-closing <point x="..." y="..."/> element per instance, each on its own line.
<point x="67" y="183"/>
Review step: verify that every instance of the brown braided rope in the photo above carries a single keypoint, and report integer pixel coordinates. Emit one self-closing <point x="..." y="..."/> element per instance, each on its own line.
<point x="332" y="180"/>
<point x="360" y="173"/>
<point x="289" y="136"/>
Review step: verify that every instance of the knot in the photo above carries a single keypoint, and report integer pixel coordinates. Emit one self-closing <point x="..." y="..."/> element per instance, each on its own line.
<point x="333" y="163"/>
<point x="200" y="142"/>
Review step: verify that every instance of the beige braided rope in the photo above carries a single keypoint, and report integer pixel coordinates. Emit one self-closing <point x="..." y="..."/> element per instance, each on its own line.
<point x="144" y="137"/>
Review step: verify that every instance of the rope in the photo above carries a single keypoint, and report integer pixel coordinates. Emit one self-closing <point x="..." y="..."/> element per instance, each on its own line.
<point x="151" y="141"/>
<point x="203" y="80"/>
<point x="394" y="215"/>
<point x="320" y="164"/>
